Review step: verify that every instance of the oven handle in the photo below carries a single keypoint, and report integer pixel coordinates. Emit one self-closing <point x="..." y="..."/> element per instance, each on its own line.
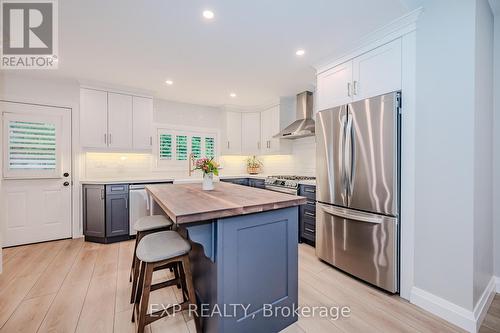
<point x="281" y="189"/>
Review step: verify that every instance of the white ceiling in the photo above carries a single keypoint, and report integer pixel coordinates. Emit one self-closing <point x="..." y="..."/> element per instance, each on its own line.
<point x="249" y="47"/>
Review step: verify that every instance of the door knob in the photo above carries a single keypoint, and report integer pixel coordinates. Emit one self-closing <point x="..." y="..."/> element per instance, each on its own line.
<point x="66" y="174"/>
<point x="66" y="183"/>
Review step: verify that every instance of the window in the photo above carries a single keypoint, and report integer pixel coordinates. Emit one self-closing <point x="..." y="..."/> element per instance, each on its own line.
<point x="175" y="146"/>
<point x="165" y="146"/>
<point x="31" y="146"/>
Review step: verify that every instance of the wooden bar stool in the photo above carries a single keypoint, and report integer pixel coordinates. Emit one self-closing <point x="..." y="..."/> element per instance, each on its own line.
<point x="145" y="226"/>
<point x="159" y="250"/>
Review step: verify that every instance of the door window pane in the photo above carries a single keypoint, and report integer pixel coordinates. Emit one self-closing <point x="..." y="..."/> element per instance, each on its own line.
<point x="32" y="146"/>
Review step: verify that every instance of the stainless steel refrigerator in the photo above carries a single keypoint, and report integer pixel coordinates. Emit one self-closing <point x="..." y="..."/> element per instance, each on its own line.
<point x="357" y="219"/>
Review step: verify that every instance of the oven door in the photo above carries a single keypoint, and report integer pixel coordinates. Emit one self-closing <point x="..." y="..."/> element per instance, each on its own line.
<point x="359" y="243"/>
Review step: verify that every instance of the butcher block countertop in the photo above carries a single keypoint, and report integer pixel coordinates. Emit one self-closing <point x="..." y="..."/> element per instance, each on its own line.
<point x="185" y="203"/>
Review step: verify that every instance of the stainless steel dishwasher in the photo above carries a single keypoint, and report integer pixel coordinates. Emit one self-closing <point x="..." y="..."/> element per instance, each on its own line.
<point x="139" y="204"/>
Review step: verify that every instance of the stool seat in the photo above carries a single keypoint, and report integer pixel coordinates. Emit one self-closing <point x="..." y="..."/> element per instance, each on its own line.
<point x="152" y="222"/>
<point x="161" y="246"/>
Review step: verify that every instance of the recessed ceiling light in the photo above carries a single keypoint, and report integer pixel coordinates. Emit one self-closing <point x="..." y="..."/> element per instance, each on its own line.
<point x="233" y="95"/>
<point x="169" y="82"/>
<point x="208" y="14"/>
<point x="300" y="52"/>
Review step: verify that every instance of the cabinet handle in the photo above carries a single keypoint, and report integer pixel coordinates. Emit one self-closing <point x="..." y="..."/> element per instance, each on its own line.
<point x="355" y="88"/>
<point x="228" y="145"/>
<point x="102" y="194"/>
<point x="151" y="141"/>
<point x="349" y="89"/>
<point x="258" y="144"/>
<point x="105" y="138"/>
<point x="109" y="138"/>
<point x="309" y="230"/>
<point x="126" y="204"/>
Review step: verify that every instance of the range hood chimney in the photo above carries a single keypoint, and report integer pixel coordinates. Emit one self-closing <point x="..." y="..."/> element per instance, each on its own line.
<point x="304" y="124"/>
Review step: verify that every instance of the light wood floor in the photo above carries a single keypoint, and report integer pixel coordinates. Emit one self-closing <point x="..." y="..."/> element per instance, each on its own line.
<point x="74" y="286"/>
<point x="491" y="323"/>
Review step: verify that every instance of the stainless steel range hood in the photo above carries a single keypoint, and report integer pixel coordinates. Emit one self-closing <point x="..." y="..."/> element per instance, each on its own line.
<point x="304" y="124"/>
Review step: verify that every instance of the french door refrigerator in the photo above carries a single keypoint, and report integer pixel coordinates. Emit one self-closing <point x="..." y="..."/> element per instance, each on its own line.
<point x="357" y="179"/>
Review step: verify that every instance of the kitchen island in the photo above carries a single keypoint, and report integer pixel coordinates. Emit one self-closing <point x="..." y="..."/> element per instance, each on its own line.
<point x="244" y="253"/>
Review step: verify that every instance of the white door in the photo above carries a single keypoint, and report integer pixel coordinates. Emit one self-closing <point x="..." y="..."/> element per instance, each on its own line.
<point x="36" y="173"/>
<point x="93" y="118"/>
<point x="334" y="87"/>
<point x="233" y="133"/>
<point x="119" y="121"/>
<point x="377" y="72"/>
<point x="142" y="122"/>
<point x="250" y="133"/>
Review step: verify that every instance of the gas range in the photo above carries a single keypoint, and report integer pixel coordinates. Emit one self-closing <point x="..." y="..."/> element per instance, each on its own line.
<point x="285" y="184"/>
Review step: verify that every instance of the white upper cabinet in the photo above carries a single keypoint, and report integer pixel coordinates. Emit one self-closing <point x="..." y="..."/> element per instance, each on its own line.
<point x="142" y="122"/>
<point x="93" y="118"/>
<point x="232" y="146"/>
<point x="115" y="121"/>
<point x="371" y="74"/>
<point x="334" y="86"/>
<point x="377" y="72"/>
<point x="119" y="121"/>
<point x="250" y="133"/>
<point x="270" y="126"/>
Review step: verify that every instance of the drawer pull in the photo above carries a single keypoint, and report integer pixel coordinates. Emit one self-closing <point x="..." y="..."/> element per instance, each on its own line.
<point x="310" y="230"/>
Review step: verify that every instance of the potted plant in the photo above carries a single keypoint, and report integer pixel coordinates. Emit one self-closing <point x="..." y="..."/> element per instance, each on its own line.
<point x="209" y="168"/>
<point x="253" y="165"/>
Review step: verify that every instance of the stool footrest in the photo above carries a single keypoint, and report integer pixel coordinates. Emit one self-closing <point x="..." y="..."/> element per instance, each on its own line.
<point x="165" y="284"/>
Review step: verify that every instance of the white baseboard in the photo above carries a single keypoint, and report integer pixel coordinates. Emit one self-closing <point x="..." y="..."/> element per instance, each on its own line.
<point x="455" y="314"/>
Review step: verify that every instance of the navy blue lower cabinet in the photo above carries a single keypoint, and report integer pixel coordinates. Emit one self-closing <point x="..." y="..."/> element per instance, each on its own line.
<point x="246" y="267"/>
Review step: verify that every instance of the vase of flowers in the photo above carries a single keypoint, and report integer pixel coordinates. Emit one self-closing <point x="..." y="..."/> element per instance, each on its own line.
<point x="253" y="165"/>
<point x="209" y="168"/>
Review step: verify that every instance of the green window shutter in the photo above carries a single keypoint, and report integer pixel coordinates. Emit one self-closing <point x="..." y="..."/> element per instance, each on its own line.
<point x="196" y="146"/>
<point x="181" y="147"/>
<point x="165" y="146"/>
<point x="32" y="146"/>
<point x="210" y="147"/>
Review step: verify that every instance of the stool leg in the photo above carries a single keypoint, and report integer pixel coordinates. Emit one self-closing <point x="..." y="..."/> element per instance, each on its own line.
<point x="144" y="303"/>
<point x="135" y="285"/>
<point x="137" y="239"/>
<point x="190" y="290"/>
<point x="138" y="293"/>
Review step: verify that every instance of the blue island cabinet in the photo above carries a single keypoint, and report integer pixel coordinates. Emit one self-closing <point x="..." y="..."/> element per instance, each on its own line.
<point x="245" y="268"/>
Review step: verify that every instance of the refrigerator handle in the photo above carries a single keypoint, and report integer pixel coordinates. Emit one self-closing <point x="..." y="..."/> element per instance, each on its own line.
<point x="355" y="216"/>
<point x="343" y="173"/>
<point x="348" y="156"/>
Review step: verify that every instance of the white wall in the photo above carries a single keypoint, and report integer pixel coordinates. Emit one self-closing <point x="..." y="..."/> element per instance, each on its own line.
<point x="454" y="171"/>
<point x="496" y="145"/>
<point x="445" y="150"/>
<point x="483" y="151"/>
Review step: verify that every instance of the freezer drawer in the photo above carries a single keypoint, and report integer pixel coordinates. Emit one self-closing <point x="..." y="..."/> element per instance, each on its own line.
<point x="361" y="244"/>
